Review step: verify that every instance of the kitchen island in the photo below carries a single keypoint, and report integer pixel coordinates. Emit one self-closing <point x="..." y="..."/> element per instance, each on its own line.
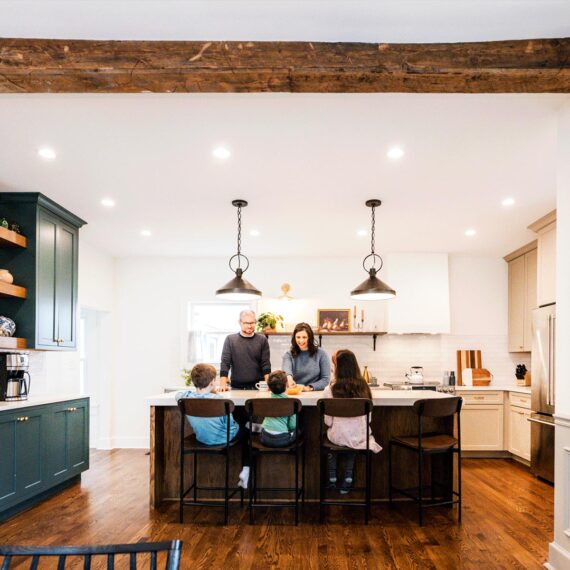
<point x="392" y="415"/>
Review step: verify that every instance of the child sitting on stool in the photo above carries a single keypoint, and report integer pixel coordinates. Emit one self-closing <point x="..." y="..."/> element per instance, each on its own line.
<point x="279" y="431"/>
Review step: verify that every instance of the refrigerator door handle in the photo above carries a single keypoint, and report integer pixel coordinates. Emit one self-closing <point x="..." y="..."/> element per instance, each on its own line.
<point x="552" y="375"/>
<point x="549" y="382"/>
<point x="551" y="424"/>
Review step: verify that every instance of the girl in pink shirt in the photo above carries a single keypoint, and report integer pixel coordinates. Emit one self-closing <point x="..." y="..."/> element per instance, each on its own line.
<point x="348" y="432"/>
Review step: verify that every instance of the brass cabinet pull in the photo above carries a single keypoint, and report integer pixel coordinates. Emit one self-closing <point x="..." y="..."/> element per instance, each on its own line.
<point x="71" y="409"/>
<point x="478" y="397"/>
<point x="22" y="419"/>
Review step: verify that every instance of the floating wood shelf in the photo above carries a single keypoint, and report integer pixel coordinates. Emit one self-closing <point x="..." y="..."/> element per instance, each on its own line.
<point x="9" y="290"/>
<point x="12" y="342"/>
<point x="8" y="238"/>
<point x="373" y="334"/>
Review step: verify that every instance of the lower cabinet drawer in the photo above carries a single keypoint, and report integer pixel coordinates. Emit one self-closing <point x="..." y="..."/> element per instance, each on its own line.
<point x="482" y="397"/>
<point x="482" y="428"/>
<point x="520" y="400"/>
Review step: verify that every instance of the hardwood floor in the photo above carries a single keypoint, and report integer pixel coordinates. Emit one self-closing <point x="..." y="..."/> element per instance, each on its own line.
<point x="507" y="523"/>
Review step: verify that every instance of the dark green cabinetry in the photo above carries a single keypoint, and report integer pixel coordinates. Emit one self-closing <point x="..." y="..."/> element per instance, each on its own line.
<point x="48" y="268"/>
<point x="42" y="448"/>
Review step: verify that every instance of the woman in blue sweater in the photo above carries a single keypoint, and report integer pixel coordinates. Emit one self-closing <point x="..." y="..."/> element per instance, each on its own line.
<point x="306" y="363"/>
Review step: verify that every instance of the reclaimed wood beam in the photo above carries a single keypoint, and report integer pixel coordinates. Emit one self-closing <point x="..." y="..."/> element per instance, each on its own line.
<point x="85" y="66"/>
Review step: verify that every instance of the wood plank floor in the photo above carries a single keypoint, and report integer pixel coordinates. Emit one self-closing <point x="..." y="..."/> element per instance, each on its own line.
<point x="507" y="523"/>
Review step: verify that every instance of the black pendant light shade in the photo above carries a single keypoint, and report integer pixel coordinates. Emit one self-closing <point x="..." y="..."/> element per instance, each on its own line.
<point x="372" y="289"/>
<point x="238" y="288"/>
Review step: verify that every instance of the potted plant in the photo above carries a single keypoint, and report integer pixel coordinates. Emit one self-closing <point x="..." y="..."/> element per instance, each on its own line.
<point x="267" y="322"/>
<point x="186" y="376"/>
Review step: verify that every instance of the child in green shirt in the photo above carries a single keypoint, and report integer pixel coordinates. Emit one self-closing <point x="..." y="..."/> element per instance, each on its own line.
<point x="279" y="431"/>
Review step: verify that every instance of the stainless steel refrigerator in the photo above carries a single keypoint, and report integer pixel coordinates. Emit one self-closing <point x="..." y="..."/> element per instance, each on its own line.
<point x="543" y="379"/>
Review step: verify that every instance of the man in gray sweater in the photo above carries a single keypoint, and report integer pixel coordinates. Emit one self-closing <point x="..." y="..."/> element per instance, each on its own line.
<point x="246" y="354"/>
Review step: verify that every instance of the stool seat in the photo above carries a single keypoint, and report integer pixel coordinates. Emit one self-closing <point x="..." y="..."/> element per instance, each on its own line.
<point x="430" y="441"/>
<point x="259" y="446"/>
<point x="192" y="444"/>
<point x="334" y="447"/>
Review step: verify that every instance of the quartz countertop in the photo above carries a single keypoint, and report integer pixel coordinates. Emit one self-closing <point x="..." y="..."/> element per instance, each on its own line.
<point x="494" y="388"/>
<point x="37" y="401"/>
<point x="380" y="397"/>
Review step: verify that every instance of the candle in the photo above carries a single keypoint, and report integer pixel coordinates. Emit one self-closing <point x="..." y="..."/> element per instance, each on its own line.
<point x="354" y="313"/>
<point x="362" y="315"/>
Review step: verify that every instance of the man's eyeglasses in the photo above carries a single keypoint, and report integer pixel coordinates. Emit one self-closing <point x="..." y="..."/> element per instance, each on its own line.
<point x="247" y="323"/>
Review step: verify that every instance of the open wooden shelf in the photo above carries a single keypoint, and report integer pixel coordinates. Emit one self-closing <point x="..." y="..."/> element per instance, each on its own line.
<point x="12" y="342"/>
<point x="8" y="238"/>
<point x="9" y="290"/>
<point x="373" y="334"/>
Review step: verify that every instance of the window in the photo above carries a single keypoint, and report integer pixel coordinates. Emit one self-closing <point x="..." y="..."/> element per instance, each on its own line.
<point x="208" y="326"/>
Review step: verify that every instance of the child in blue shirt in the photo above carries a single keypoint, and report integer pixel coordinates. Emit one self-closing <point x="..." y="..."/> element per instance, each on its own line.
<point x="213" y="431"/>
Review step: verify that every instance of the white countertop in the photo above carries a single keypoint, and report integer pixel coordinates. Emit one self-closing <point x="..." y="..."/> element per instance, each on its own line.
<point x="380" y="397"/>
<point x="494" y="388"/>
<point x="37" y="401"/>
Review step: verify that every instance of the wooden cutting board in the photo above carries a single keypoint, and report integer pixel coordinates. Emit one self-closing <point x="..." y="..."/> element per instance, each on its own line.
<point x="467" y="359"/>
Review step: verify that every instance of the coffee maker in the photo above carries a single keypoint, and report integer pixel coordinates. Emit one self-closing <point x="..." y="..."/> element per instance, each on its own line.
<point x="13" y="371"/>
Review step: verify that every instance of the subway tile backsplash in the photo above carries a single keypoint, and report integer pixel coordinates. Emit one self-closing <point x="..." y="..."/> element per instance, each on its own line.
<point x="395" y="354"/>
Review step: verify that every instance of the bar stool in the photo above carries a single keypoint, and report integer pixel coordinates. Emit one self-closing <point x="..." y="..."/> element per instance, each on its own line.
<point x="430" y="444"/>
<point x="273" y="408"/>
<point x="344" y="408"/>
<point x="189" y="445"/>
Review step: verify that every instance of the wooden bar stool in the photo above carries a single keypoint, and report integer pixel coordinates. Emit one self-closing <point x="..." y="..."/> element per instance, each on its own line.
<point x="273" y="408"/>
<point x="189" y="445"/>
<point x="430" y="444"/>
<point x="345" y="408"/>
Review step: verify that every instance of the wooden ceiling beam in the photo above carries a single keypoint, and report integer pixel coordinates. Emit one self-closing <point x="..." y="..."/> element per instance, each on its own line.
<point x="85" y="66"/>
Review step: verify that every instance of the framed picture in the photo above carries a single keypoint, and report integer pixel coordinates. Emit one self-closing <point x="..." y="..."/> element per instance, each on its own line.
<point x="333" y="320"/>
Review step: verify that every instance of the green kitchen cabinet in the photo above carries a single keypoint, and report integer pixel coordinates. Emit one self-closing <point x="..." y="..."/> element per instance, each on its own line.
<point x="43" y="449"/>
<point x="48" y="268"/>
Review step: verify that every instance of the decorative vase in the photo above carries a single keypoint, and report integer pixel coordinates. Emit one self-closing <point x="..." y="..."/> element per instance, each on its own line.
<point x="7" y="326"/>
<point x="6" y="276"/>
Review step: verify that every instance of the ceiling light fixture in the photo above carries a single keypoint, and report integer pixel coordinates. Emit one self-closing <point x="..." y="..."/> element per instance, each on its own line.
<point x="221" y="152"/>
<point x="238" y="289"/>
<point x="47" y="153"/>
<point x="254" y="233"/>
<point x="470" y="232"/>
<point x="361" y="233"/>
<point x="395" y="153"/>
<point x="373" y="289"/>
<point x="508" y="202"/>
<point x="146" y="233"/>
<point x="107" y="202"/>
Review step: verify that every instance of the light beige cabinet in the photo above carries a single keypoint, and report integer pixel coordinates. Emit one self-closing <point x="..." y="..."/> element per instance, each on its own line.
<point x="546" y="279"/>
<point x="522" y="296"/>
<point x="519" y="426"/>
<point x="482" y="421"/>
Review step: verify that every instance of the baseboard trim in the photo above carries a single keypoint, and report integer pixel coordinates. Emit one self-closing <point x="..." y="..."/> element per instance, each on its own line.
<point x="558" y="557"/>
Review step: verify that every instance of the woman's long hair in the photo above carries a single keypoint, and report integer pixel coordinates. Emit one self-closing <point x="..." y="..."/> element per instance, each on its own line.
<point x="295" y="350"/>
<point x="348" y="382"/>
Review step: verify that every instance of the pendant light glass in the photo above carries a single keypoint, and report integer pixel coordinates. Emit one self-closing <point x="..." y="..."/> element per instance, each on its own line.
<point x="372" y="289"/>
<point x="238" y="288"/>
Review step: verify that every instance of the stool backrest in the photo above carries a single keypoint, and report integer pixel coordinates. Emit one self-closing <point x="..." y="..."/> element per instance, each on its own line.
<point x="273" y="407"/>
<point x="440" y="408"/>
<point x="205" y="407"/>
<point x="91" y="554"/>
<point x="345" y="407"/>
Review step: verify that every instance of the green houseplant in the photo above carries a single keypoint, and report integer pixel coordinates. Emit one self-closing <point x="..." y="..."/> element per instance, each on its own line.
<point x="186" y="376"/>
<point x="268" y="322"/>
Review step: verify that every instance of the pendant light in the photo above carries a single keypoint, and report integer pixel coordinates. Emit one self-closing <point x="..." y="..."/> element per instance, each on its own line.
<point x="238" y="289"/>
<point x="373" y="289"/>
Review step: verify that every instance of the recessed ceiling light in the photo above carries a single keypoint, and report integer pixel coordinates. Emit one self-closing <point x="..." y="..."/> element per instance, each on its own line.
<point x="395" y="153"/>
<point x="221" y="152"/>
<point x="107" y="202"/>
<point x="470" y="232"/>
<point x="508" y="202"/>
<point x="361" y="233"/>
<point x="146" y="233"/>
<point x="254" y="233"/>
<point x="47" y="153"/>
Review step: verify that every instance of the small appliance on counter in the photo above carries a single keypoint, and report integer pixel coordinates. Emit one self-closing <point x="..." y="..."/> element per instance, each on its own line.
<point x="13" y="372"/>
<point x="414" y="381"/>
<point x="416" y="375"/>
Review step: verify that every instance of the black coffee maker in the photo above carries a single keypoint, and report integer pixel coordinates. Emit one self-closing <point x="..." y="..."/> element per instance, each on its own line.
<point x="13" y="372"/>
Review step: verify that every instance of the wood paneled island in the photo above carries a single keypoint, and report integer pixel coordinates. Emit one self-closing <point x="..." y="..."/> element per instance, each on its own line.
<point x="392" y="415"/>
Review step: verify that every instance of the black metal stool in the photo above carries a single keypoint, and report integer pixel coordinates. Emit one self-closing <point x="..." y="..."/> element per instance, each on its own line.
<point x="345" y="408"/>
<point x="205" y="408"/>
<point x="430" y="444"/>
<point x="275" y="407"/>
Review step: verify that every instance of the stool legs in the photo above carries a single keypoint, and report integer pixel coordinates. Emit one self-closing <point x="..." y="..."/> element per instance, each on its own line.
<point x="181" y="490"/>
<point x="296" y="486"/>
<point x="195" y="481"/>
<point x="420" y="489"/>
<point x="368" y="486"/>
<point x="459" y="483"/>
<point x="390" y="474"/>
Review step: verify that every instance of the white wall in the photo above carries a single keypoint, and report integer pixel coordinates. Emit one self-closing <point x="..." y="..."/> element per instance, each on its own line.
<point x="150" y="316"/>
<point x="96" y="278"/>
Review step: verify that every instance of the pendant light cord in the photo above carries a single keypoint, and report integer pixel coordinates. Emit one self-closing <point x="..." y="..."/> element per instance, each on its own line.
<point x="373" y="232"/>
<point x="239" y="237"/>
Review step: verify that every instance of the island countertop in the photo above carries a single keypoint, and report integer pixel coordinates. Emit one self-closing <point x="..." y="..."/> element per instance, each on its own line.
<point x="380" y="397"/>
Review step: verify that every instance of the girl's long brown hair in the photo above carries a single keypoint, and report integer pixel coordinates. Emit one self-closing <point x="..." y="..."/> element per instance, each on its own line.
<point x="348" y="382"/>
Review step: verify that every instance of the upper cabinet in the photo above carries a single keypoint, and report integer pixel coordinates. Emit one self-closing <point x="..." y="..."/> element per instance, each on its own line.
<point x="421" y="281"/>
<point x="522" y="296"/>
<point x="546" y="230"/>
<point x="47" y="268"/>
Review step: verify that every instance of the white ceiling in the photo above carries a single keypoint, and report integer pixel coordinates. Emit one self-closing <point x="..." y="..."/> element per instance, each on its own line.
<point x="306" y="163"/>
<point x="309" y="20"/>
